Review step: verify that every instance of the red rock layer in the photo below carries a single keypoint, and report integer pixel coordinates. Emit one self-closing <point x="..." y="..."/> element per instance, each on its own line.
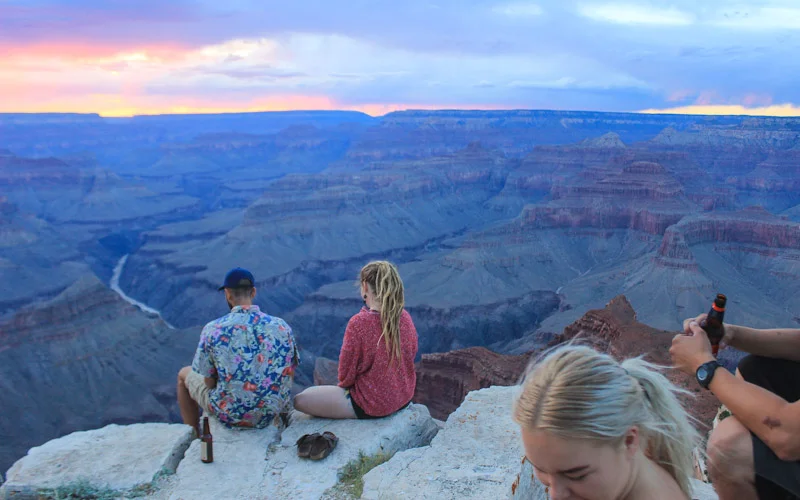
<point x="444" y="379"/>
<point x="616" y="331"/>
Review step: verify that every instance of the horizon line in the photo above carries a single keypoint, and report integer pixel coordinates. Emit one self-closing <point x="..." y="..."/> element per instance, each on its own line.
<point x="720" y="111"/>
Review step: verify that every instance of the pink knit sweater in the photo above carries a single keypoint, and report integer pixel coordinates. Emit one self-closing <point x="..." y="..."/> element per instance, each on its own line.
<point x="378" y="387"/>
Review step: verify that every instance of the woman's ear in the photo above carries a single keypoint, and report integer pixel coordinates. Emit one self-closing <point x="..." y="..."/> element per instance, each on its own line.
<point x="632" y="442"/>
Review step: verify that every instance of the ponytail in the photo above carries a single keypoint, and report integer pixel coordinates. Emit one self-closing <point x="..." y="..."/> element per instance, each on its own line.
<point x="574" y="392"/>
<point x="384" y="279"/>
<point x="671" y="437"/>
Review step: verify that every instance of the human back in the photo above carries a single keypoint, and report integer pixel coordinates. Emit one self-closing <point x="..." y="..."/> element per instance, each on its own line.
<point x="376" y="362"/>
<point x="595" y="428"/>
<point x="381" y="380"/>
<point x="253" y="357"/>
<point x="376" y="372"/>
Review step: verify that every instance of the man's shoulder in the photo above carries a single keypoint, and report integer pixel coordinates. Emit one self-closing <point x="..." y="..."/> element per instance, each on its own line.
<point x="217" y="327"/>
<point x="273" y="320"/>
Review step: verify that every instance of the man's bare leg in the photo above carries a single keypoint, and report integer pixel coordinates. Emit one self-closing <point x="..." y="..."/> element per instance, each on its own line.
<point x="730" y="461"/>
<point x="190" y="410"/>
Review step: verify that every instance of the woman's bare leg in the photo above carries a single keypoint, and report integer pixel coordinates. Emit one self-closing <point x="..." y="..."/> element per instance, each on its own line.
<point x="326" y="401"/>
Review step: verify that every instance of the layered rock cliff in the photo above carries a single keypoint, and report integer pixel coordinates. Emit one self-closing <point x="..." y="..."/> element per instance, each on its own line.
<point x="616" y="331"/>
<point x="83" y="360"/>
<point x="444" y="379"/>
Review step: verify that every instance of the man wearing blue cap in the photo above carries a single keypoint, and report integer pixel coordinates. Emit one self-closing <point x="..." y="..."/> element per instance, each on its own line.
<point x="244" y="365"/>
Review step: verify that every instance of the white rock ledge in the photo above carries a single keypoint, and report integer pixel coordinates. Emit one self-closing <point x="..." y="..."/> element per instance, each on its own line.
<point x="263" y="464"/>
<point x="119" y="458"/>
<point x="476" y="455"/>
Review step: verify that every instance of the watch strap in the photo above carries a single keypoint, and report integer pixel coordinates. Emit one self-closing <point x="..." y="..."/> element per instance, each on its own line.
<point x="711" y="368"/>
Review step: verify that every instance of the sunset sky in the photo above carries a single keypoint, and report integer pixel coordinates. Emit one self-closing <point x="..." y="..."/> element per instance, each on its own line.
<point x="119" y="57"/>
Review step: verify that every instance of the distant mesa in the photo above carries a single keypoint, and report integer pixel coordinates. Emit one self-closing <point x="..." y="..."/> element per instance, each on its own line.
<point x="610" y="140"/>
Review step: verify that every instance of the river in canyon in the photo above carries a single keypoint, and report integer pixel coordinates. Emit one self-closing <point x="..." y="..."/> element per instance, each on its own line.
<point x="114" y="284"/>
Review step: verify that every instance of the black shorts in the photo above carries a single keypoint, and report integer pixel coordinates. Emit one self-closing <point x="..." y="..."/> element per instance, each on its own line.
<point x="361" y="414"/>
<point x="775" y="479"/>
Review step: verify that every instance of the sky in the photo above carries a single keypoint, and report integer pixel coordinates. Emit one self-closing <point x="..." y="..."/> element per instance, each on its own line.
<point x="120" y="57"/>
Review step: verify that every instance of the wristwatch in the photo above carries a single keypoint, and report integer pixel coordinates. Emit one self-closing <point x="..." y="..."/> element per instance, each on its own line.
<point x="706" y="372"/>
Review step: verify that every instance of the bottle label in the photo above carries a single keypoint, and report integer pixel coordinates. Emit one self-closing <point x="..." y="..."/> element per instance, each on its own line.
<point x="203" y="451"/>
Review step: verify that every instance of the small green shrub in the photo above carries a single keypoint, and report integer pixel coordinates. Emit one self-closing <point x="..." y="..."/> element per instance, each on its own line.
<point x="81" y="490"/>
<point x="351" y="479"/>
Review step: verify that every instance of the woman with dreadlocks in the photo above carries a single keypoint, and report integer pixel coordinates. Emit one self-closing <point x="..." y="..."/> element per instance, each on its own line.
<point x="376" y="363"/>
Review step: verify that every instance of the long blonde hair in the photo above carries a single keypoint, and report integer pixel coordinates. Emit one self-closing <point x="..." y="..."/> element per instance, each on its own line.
<point x="384" y="280"/>
<point x="577" y="393"/>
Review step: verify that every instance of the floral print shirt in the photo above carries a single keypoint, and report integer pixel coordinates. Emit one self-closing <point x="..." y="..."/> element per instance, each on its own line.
<point x="253" y="356"/>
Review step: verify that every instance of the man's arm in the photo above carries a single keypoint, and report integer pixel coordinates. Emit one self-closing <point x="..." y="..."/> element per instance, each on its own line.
<point x="779" y="343"/>
<point x="766" y="415"/>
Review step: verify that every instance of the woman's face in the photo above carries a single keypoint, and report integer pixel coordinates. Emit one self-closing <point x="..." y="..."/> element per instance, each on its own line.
<point x="581" y="469"/>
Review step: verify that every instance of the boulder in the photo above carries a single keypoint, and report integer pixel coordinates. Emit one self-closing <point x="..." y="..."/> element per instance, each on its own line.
<point x="124" y="459"/>
<point x="476" y="455"/>
<point x="236" y="471"/>
<point x="255" y="464"/>
<point x="291" y="477"/>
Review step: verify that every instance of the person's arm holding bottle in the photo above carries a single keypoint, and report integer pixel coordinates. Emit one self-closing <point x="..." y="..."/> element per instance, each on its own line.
<point x="773" y="419"/>
<point x="778" y="343"/>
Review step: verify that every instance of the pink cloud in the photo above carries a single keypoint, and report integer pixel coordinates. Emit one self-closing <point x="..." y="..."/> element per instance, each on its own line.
<point x="706" y="98"/>
<point x="680" y="95"/>
<point x="756" y="100"/>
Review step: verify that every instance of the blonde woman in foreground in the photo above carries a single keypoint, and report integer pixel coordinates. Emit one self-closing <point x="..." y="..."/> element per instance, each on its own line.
<point x="595" y="429"/>
<point x="376" y="363"/>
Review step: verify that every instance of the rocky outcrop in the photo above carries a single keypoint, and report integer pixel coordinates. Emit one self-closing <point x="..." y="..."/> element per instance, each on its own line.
<point x="83" y="360"/>
<point x="476" y="455"/>
<point x="616" y="331"/>
<point x="444" y="379"/>
<point x="124" y="459"/>
<point x="153" y="460"/>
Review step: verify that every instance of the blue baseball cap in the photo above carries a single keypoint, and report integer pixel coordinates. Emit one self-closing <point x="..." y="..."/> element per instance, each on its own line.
<point x="238" y="278"/>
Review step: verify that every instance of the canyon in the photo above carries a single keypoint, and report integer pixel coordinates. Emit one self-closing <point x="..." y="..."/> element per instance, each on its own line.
<point x="509" y="229"/>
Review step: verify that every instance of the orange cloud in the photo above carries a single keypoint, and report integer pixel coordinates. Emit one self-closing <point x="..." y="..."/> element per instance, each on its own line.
<point x="729" y="109"/>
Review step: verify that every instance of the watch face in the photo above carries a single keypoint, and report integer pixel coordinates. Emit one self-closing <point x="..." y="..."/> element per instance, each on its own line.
<point x="702" y="373"/>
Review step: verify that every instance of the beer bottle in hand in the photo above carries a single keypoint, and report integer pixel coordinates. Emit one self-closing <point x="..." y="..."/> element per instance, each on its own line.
<point x="206" y="443"/>
<point x="713" y="323"/>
